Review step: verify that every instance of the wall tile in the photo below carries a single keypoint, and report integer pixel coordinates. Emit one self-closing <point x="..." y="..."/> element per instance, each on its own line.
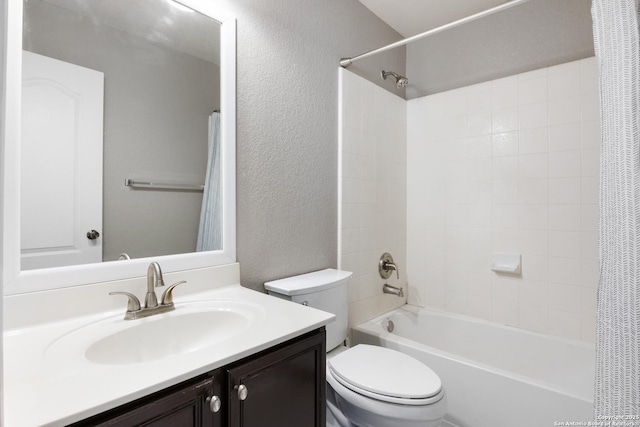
<point x="533" y="217"/>
<point x="480" y="214"/>
<point x="533" y="318"/>
<point x="565" y="324"/>
<point x="480" y="169"/>
<point x="504" y="144"/>
<point x="533" y="115"/>
<point x="564" y="270"/>
<point x="479" y="306"/>
<point x="591" y="134"/>
<point x="563" y="217"/>
<point x="373" y="202"/>
<point x="589" y="217"/>
<point x="564" y="164"/>
<point x="588" y="301"/>
<point x="590" y="187"/>
<point x="564" y="244"/>
<point x="531" y="292"/>
<point x="534" y="191"/>
<point x="564" y="297"/>
<point x="590" y="162"/>
<point x="564" y="84"/>
<point x="505" y="312"/>
<point x="565" y="137"/>
<point x="479" y="124"/>
<point x="504" y="96"/>
<point x="505" y="216"/>
<point x="565" y="190"/>
<point x="588" y="328"/>
<point x="505" y="168"/>
<point x="532" y="91"/>
<point x="590" y="106"/>
<point x="479" y="147"/>
<point x="456" y="302"/>
<point x="533" y="242"/>
<point x="479" y="98"/>
<point x="504" y="120"/>
<point x="505" y="192"/>
<point x="589" y="245"/>
<point x="564" y="111"/>
<point x="535" y="267"/>
<point x="589" y="76"/>
<point x="533" y="141"/>
<point x="509" y="165"/>
<point x="504" y="288"/>
<point x="533" y="166"/>
<point x="480" y="193"/>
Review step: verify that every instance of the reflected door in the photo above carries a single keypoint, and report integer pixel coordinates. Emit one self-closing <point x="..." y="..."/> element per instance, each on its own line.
<point x="61" y="163"/>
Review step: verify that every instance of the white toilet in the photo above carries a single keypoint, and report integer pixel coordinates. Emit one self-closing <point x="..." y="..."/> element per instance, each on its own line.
<point x="367" y="386"/>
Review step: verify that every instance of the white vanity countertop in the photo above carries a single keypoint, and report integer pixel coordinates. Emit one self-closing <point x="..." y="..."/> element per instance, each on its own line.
<point x="42" y="388"/>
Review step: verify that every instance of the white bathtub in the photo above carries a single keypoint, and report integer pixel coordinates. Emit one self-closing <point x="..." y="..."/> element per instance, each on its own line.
<point x="494" y="375"/>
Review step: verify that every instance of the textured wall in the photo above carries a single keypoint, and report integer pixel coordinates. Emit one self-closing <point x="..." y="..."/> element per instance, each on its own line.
<point x="287" y="142"/>
<point x="536" y="34"/>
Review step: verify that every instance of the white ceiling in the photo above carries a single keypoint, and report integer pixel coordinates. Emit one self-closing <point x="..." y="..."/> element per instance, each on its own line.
<point x="410" y="17"/>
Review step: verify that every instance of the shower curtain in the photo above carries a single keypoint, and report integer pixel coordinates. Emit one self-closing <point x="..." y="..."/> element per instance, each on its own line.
<point x="210" y="231"/>
<point x="617" y="45"/>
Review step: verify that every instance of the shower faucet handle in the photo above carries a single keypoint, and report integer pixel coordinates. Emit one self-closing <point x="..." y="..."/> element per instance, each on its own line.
<point x="386" y="266"/>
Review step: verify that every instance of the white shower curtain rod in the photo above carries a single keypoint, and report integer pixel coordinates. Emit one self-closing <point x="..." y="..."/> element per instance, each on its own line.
<point x="345" y="62"/>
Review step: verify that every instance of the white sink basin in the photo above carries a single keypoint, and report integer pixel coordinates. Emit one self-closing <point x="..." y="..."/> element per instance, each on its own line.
<point x="190" y="327"/>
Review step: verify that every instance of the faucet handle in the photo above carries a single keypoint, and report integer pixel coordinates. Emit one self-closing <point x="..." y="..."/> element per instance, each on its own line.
<point x="133" y="304"/>
<point x="167" y="296"/>
<point x="386" y="265"/>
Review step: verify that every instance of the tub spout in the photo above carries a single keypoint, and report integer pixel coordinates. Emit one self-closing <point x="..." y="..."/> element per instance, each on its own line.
<point x="388" y="289"/>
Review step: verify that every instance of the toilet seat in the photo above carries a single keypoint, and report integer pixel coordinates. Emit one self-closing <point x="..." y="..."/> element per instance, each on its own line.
<point x="386" y="375"/>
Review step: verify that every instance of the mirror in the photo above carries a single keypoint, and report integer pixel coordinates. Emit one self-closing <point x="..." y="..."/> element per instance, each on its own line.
<point x="127" y="119"/>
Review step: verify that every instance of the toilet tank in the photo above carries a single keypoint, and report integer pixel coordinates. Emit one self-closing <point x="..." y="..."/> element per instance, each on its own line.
<point x="325" y="290"/>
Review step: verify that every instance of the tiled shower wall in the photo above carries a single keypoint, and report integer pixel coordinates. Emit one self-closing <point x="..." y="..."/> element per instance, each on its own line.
<point x="510" y="165"/>
<point x="372" y="195"/>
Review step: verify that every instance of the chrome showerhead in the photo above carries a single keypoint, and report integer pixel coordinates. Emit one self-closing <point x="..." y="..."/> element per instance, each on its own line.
<point x="401" y="81"/>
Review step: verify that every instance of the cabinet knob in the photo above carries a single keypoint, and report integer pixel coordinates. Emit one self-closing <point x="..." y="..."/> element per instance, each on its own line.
<point x="242" y="391"/>
<point x="214" y="403"/>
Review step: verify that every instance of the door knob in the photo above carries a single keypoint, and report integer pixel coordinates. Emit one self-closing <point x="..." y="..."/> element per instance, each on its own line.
<point x="242" y="391"/>
<point x="92" y="235"/>
<point x="214" y="403"/>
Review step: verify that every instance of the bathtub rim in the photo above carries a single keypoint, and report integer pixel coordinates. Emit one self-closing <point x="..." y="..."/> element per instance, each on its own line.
<point x="374" y="327"/>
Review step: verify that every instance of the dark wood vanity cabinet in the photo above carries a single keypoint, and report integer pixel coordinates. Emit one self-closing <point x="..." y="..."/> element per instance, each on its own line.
<point x="279" y="387"/>
<point x="284" y="386"/>
<point x="185" y="404"/>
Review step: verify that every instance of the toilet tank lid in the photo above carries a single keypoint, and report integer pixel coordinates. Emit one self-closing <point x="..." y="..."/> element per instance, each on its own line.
<point x="309" y="282"/>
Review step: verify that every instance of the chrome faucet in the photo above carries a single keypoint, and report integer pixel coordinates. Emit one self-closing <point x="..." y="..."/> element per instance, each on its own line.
<point x="151" y="306"/>
<point x="154" y="279"/>
<point x="393" y="290"/>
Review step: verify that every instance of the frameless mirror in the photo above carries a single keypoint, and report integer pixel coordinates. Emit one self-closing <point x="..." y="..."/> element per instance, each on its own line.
<point x="125" y="139"/>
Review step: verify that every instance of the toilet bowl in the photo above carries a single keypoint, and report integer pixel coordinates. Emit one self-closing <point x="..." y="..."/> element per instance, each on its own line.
<point x="370" y="386"/>
<point x="367" y="386"/>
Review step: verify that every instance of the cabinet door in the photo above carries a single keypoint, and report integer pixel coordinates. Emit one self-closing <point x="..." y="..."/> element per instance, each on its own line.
<point x="284" y="387"/>
<point x="183" y="405"/>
